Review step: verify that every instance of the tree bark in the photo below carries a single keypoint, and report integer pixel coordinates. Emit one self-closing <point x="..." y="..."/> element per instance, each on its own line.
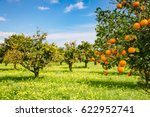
<point x="15" y="66"/>
<point x="95" y="62"/>
<point x="147" y="79"/>
<point x="61" y="62"/>
<point x="86" y="62"/>
<point x="6" y="64"/>
<point x="70" y="67"/>
<point x="36" y="73"/>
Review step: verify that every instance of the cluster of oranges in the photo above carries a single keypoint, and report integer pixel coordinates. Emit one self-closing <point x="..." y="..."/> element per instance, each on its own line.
<point x="92" y="59"/>
<point x="142" y="23"/>
<point x="135" y="4"/>
<point x="113" y="52"/>
<point x="97" y="53"/>
<point x="111" y="41"/>
<point x="122" y="64"/>
<point x="105" y="57"/>
<point x="120" y="5"/>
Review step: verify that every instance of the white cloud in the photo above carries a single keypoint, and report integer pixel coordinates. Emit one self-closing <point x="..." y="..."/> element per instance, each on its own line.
<point x="1" y="41"/>
<point x="43" y="8"/>
<point x="92" y="25"/>
<point x="6" y="34"/>
<point x="79" y="5"/>
<point x="61" y="38"/>
<point x="2" y="19"/>
<point x="54" y="1"/>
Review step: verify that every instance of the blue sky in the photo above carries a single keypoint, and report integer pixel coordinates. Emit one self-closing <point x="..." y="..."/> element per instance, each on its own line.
<point x="63" y="20"/>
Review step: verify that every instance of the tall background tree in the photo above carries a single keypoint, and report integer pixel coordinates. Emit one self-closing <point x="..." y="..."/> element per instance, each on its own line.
<point x="13" y="45"/>
<point x="70" y="54"/>
<point x="85" y="50"/>
<point x="2" y="52"/>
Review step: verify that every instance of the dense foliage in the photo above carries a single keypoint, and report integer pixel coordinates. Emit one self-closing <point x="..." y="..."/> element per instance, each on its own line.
<point x="33" y="53"/>
<point x="85" y="51"/>
<point x="70" y="54"/>
<point x="123" y="36"/>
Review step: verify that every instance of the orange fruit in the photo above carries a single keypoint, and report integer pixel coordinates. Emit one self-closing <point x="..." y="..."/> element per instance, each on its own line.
<point x="108" y="52"/>
<point x="122" y="63"/>
<point x="129" y="73"/>
<point x="112" y="41"/>
<point x="105" y="67"/>
<point x="120" y="69"/>
<point x="92" y="59"/>
<point x="136" y="13"/>
<point x="149" y="20"/>
<point x="96" y="52"/>
<point x="136" y="4"/>
<point x="137" y="26"/>
<point x="108" y="42"/>
<point x="124" y="2"/>
<point x="144" y="22"/>
<point x="100" y="53"/>
<point x="119" y="6"/>
<point x="117" y="54"/>
<point x="131" y="50"/>
<point x="123" y="52"/>
<point x="114" y="52"/>
<point x="98" y="61"/>
<point x="106" y="62"/>
<point x="142" y="8"/>
<point x="127" y="37"/>
<point x="103" y="58"/>
<point x="105" y="73"/>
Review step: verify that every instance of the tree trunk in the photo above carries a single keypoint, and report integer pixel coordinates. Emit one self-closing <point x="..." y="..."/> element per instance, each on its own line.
<point x="36" y="73"/>
<point x="70" y="67"/>
<point x="6" y="64"/>
<point x="86" y="62"/>
<point x="95" y="62"/>
<point x="147" y="79"/>
<point x="15" y="66"/>
<point x="61" y="62"/>
<point x="80" y="60"/>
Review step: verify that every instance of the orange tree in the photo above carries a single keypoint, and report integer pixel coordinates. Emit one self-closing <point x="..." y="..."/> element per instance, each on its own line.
<point x="85" y="50"/>
<point x="12" y="53"/>
<point x="33" y="53"/>
<point x="70" y="54"/>
<point x="2" y="52"/>
<point x="123" y="35"/>
<point x="13" y="56"/>
<point x="60" y="55"/>
<point x="37" y="53"/>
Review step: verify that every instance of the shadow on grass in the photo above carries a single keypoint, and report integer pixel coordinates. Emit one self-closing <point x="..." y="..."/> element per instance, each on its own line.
<point x="75" y="67"/>
<point x="55" y="71"/>
<point x="79" y="67"/>
<point x="6" y="69"/>
<point x="17" y="79"/>
<point x="111" y="73"/>
<point x="110" y="84"/>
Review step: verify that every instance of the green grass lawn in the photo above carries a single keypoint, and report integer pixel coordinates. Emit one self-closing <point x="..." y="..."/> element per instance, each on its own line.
<point x="57" y="83"/>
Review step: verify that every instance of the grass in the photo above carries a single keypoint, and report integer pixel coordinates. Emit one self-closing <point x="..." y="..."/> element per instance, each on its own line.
<point x="57" y="83"/>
